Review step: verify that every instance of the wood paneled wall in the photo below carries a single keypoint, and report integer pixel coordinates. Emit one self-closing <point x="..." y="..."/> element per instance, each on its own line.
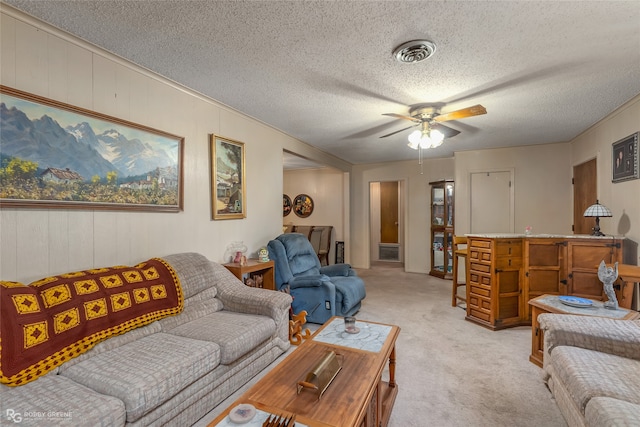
<point x="38" y="242"/>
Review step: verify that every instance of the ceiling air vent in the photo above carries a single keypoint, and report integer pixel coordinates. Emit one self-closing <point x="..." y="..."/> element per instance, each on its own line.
<point x="414" y="51"/>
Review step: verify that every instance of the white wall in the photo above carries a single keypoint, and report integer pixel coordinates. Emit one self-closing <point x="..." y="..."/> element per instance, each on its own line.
<point x="327" y="188"/>
<point x="622" y="198"/>
<point x="542" y="185"/>
<point x="39" y="59"/>
<point x="542" y="174"/>
<point x="417" y="215"/>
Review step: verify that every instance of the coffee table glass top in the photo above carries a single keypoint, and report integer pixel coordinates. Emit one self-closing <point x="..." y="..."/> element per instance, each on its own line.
<point x="370" y="338"/>
<point x="596" y="309"/>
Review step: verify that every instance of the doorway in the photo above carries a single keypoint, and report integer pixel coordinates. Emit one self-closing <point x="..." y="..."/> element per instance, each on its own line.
<point x="585" y="193"/>
<point x="386" y="225"/>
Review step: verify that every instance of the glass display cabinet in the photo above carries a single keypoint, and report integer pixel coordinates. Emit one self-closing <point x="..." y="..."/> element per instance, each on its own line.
<point x="442" y="230"/>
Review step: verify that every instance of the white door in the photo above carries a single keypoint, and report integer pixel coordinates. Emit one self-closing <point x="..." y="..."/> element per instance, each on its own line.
<point x="492" y="202"/>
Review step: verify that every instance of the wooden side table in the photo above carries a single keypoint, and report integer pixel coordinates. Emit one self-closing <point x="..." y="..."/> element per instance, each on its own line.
<point x="551" y="304"/>
<point x="255" y="266"/>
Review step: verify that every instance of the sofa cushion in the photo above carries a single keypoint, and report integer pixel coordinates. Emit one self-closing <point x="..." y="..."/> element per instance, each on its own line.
<point x="235" y="333"/>
<point x="194" y="271"/>
<point x="55" y="400"/>
<point x="195" y="307"/>
<point x="147" y="372"/>
<point x="115" y="342"/>
<point x="587" y="374"/>
<point x="609" y="412"/>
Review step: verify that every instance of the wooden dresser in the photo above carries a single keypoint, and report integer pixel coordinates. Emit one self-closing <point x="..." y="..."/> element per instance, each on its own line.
<point x="505" y="271"/>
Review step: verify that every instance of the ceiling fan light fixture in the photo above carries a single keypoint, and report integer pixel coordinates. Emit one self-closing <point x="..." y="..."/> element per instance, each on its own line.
<point x="414" y="51"/>
<point x="425" y="139"/>
<point x="414" y="139"/>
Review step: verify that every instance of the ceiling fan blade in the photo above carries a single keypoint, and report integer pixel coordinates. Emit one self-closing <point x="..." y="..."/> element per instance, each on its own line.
<point x="398" y="131"/>
<point x="400" y="116"/>
<point x="476" y="110"/>
<point x="445" y="130"/>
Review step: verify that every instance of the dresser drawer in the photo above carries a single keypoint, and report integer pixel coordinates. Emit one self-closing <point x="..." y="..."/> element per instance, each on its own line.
<point x="509" y="248"/>
<point x="508" y="263"/>
<point x="479" y="307"/>
<point x="479" y="255"/>
<point x="479" y="278"/>
<point x="482" y="244"/>
<point x="479" y="268"/>
<point x="479" y="290"/>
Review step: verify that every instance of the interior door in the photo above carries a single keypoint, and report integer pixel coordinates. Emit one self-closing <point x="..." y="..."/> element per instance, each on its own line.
<point x="386" y="210"/>
<point x="389" y="212"/>
<point x="585" y="182"/>
<point x="491" y="202"/>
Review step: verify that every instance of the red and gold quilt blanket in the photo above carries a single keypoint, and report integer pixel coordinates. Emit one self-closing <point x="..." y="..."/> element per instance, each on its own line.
<point x="58" y="318"/>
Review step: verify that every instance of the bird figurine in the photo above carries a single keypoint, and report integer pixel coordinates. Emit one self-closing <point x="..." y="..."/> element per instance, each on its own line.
<point x="607" y="276"/>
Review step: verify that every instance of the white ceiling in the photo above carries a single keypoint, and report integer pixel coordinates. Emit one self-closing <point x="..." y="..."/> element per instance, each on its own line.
<point x="323" y="71"/>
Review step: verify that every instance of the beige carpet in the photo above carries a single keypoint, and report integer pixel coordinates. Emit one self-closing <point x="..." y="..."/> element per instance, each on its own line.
<point x="450" y="372"/>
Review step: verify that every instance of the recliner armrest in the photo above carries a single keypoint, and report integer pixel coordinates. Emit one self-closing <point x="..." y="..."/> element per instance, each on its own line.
<point x="338" y="270"/>
<point x="310" y="281"/>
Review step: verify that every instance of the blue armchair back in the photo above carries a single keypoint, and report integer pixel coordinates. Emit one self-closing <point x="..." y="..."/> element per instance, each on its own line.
<point x="293" y="256"/>
<point x="334" y="290"/>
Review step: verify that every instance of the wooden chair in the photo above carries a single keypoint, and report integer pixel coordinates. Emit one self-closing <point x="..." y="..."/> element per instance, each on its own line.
<point x="320" y="238"/>
<point x="458" y="252"/>
<point x="325" y="245"/>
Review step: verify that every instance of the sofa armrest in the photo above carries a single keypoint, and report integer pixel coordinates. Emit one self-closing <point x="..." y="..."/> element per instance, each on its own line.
<point x="238" y="297"/>
<point x="618" y="337"/>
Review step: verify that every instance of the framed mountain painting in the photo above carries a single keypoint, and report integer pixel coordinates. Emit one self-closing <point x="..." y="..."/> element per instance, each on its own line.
<point x="55" y="155"/>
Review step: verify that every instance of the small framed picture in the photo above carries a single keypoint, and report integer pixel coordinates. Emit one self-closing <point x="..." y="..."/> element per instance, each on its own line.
<point x="625" y="159"/>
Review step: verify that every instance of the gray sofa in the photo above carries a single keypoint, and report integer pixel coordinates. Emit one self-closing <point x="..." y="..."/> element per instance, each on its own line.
<point x="169" y="372"/>
<point x="592" y="367"/>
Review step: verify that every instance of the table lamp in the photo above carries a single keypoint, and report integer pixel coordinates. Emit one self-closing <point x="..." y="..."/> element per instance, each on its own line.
<point x="597" y="210"/>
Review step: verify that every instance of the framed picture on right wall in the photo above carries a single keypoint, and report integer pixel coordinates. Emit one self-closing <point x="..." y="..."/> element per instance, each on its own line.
<point x="625" y="159"/>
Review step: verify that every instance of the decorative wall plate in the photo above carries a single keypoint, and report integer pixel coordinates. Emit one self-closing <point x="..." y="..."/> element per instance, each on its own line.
<point x="575" y="301"/>
<point x="303" y="205"/>
<point x="286" y="205"/>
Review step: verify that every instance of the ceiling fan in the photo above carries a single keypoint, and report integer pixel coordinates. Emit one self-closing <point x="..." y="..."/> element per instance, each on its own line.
<point x="429" y="119"/>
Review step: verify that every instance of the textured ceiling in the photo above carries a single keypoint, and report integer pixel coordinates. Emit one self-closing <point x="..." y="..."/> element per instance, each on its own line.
<point x="323" y="71"/>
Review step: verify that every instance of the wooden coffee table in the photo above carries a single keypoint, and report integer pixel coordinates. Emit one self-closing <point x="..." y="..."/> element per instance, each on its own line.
<point x="358" y="396"/>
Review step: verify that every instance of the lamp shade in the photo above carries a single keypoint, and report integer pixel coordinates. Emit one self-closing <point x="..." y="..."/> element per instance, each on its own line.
<point x="597" y="210"/>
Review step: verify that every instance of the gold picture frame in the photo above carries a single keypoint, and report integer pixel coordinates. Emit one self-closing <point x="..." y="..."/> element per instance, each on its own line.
<point x="56" y="155"/>
<point x="303" y="205"/>
<point x="228" y="189"/>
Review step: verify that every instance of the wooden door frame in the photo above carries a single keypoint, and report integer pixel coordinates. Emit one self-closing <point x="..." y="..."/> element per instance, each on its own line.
<point x="402" y="218"/>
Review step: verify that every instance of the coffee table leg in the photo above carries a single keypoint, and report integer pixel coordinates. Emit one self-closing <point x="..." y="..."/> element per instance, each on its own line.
<point x="392" y="367"/>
